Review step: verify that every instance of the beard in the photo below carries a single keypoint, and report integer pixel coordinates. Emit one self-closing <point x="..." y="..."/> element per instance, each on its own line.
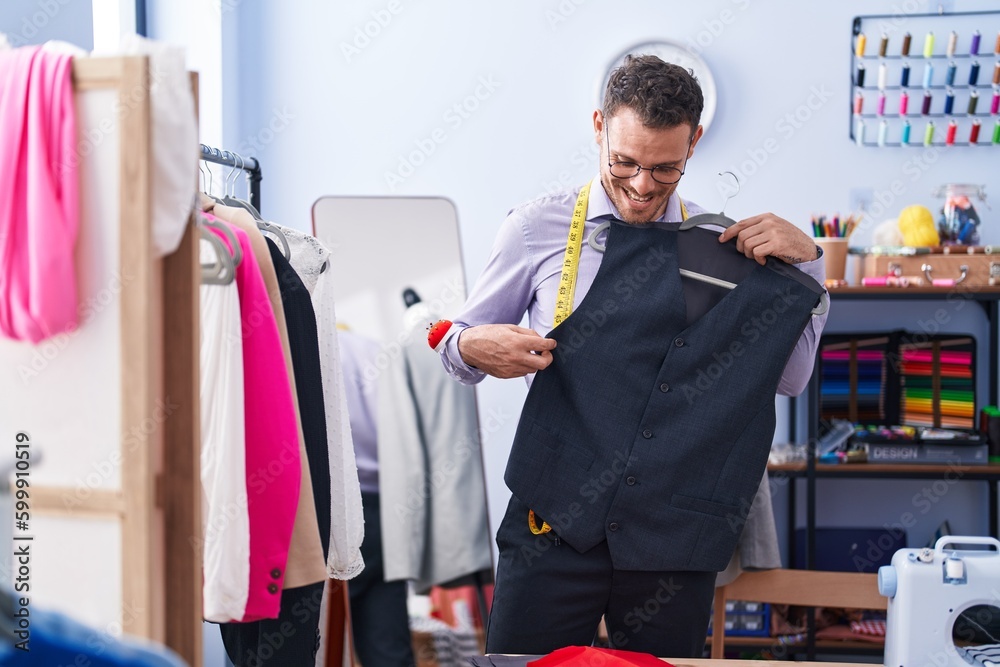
<point x="646" y="209"/>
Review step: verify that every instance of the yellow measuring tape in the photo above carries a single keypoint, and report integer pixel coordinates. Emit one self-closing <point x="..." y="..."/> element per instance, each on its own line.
<point x="567" y="290"/>
<point x="571" y="258"/>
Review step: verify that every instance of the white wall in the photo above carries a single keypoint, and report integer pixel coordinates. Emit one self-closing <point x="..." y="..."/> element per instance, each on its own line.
<point x="37" y="21"/>
<point x="331" y="110"/>
<point x="198" y="26"/>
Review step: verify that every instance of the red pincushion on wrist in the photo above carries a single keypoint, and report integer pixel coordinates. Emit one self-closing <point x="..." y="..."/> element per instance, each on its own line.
<point x="436" y="333"/>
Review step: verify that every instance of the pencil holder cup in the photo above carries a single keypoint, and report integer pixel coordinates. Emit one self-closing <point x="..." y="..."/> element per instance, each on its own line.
<point x="834" y="256"/>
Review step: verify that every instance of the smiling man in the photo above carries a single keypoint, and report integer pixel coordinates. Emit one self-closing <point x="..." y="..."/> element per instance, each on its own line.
<point x="628" y="490"/>
<point x="640" y="200"/>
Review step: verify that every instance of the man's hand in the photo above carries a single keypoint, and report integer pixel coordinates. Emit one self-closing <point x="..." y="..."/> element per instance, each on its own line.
<point x="505" y="350"/>
<point x="768" y="235"/>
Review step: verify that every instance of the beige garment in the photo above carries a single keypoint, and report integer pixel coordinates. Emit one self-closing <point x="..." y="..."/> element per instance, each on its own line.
<point x="306" y="564"/>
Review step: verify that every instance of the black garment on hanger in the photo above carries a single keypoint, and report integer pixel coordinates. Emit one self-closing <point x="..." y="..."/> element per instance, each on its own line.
<point x="300" y="319"/>
<point x="248" y="644"/>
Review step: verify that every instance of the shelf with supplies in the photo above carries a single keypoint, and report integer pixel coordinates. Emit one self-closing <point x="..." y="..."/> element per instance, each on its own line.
<point x="811" y="470"/>
<point x="886" y="470"/>
<point x="907" y="74"/>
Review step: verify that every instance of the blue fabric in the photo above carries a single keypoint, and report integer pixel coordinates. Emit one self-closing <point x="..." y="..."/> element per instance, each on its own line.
<point x="56" y="640"/>
<point x="650" y="431"/>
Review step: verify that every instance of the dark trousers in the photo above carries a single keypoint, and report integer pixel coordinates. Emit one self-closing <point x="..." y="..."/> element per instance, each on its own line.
<point x="548" y="595"/>
<point x="380" y="621"/>
<point x="290" y="639"/>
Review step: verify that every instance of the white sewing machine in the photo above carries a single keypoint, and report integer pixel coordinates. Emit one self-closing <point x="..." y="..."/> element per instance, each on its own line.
<point x="928" y="589"/>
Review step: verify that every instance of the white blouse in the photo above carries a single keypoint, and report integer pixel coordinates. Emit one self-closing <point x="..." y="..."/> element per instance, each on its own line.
<point x="226" y="520"/>
<point x="347" y="527"/>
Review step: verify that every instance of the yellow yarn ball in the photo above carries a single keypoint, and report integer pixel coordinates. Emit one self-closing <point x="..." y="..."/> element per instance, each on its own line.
<point x="916" y="224"/>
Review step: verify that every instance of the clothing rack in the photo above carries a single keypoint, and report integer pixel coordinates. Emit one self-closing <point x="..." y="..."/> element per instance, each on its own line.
<point x="229" y="159"/>
<point x="336" y="631"/>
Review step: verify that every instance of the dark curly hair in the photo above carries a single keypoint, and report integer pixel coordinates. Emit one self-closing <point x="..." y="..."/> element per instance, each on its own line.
<point x="661" y="94"/>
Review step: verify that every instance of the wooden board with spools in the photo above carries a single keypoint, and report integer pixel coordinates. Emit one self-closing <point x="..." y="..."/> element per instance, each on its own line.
<point x="948" y="267"/>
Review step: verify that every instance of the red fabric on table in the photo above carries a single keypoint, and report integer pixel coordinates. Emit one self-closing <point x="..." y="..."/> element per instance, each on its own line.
<point x="598" y="657"/>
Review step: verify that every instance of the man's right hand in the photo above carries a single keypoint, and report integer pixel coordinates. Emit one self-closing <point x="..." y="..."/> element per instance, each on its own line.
<point x="505" y="350"/>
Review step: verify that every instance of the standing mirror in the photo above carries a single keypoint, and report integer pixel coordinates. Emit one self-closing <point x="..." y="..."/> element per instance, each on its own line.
<point x="396" y="266"/>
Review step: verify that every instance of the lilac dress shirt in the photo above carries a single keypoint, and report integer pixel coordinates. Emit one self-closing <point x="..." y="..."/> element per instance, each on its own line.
<point x="357" y="354"/>
<point x="523" y="271"/>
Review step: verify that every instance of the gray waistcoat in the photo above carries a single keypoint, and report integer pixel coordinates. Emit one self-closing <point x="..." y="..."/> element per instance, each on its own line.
<point x="646" y="430"/>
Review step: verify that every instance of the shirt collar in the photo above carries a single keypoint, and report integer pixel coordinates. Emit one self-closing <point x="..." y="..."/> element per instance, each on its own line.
<point x="600" y="207"/>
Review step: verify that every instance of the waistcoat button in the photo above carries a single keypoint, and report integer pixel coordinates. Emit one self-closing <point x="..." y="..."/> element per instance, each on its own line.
<point x="679" y="342"/>
<point x="664" y="387"/>
<point x="647" y="434"/>
<point x="613" y="526"/>
<point x="630" y="481"/>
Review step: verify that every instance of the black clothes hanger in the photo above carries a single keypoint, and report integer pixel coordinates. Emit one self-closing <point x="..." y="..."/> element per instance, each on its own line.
<point x="720" y="220"/>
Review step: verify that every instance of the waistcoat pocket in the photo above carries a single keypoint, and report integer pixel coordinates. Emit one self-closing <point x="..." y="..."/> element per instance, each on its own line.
<point x="563" y="449"/>
<point x="703" y="506"/>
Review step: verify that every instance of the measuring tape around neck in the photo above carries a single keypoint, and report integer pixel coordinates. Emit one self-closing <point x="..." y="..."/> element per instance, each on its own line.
<point x="571" y="257"/>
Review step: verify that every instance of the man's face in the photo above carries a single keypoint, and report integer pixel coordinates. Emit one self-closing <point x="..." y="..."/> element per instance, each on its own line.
<point x="641" y="199"/>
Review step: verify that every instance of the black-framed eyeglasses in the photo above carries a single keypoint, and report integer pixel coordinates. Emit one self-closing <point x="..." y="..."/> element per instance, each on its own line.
<point x="625" y="170"/>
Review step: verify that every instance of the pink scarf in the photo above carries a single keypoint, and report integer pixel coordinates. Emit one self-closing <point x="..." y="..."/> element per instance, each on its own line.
<point x="39" y="213"/>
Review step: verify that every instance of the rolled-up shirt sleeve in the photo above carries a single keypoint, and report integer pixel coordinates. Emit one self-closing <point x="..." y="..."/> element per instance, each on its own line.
<point x="501" y="295"/>
<point x="799" y="368"/>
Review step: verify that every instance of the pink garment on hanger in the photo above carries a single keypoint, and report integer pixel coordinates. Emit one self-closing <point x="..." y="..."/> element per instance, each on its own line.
<point x="273" y="467"/>
<point x="39" y="212"/>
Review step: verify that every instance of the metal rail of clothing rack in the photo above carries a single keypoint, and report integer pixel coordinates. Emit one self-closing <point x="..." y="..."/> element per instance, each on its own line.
<point x="248" y="164"/>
